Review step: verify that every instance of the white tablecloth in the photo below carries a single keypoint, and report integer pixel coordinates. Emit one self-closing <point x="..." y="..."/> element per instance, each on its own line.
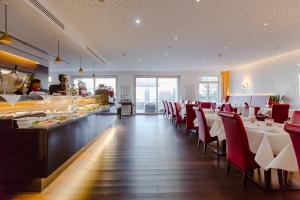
<point x="268" y="112"/>
<point x="265" y="142"/>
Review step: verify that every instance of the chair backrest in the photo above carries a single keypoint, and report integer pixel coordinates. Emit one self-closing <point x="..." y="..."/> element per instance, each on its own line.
<point x="228" y="107"/>
<point x="280" y="112"/>
<point x="190" y="116"/>
<point x="186" y="102"/>
<point x="205" y="104"/>
<point x="294" y="132"/>
<point x="171" y="108"/>
<point x="202" y="125"/>
<point x="238" y="152"/>
<point x="213" y="105"/>
<point x="177" y="111"/>
<point x="167" y="107"/>
<point x="222" y="108"/>
<point x="296" y="117"/>
<point x="163" y="102"/>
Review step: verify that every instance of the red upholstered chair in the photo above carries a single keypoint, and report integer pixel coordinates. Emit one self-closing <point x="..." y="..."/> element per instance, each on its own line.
<point x="294" y="131"/>
<point x="214" y="105"/>
<point x="205" y="105"/>
<point x="203" y="130"/>
<point x="280" y="112"/>
<point x="228" y="107"/>
<point x="190" y="117"/>
<point x="222" y="108"/>
<point x="172" y="113"/>
<point x="238" y="152"/>
<point x="168" y="109"/>
<point x="296" y="117"/>
<point x="179" y="120"/>
<point x="165" y="109"/>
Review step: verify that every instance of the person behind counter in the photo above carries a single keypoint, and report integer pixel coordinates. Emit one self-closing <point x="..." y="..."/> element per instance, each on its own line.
<point x="35" y="86"/>
<point x="62" y="87"/>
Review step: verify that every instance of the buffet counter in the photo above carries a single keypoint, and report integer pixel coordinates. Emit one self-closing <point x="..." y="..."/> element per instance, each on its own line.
<point x="32" y="156"/>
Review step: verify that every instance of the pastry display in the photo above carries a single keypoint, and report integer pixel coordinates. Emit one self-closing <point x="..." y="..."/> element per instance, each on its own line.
<point x="51" y="111"/>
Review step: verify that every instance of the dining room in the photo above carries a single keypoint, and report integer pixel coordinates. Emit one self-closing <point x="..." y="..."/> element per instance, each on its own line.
<point x="149" y="99"/>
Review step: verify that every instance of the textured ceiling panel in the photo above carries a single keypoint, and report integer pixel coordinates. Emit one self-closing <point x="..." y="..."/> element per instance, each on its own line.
<point x="204" y="28"/>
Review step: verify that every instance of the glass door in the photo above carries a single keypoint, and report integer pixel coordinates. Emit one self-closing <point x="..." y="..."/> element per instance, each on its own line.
<point x="146" y="95"/>
<point x="151" y="91"/>
<point x="167" y="91"/>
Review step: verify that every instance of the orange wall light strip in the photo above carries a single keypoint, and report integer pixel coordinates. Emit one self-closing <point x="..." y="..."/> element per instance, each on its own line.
<point x="10" y="59"/>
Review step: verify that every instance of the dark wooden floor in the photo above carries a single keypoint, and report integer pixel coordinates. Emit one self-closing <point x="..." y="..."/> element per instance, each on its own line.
<point x="148" y="158"/>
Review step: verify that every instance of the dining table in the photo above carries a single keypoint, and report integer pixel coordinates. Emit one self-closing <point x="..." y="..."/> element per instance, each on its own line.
<point x="271" y="145"/>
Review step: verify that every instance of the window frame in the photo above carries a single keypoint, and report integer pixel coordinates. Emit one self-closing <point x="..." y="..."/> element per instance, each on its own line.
<point x="156" y="77"/>
<point x="94" y="80"/>
<point x="208" y="86"/>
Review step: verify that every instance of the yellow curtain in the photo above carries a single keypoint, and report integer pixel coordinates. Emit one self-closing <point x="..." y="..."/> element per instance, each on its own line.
<point x="225" y="84"/>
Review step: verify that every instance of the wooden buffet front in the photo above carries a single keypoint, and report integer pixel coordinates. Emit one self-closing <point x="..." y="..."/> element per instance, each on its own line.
<point x="29" y="157"/>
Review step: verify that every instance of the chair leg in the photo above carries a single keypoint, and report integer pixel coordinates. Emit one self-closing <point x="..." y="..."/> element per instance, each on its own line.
<point x="244" y="179"/>
<point x="198" y="143"/>
<point x="228" y="167"/>
<point x="218" y="147"/>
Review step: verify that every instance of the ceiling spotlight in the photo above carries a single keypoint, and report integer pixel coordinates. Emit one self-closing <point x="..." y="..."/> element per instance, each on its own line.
<point x="225" y="48"/>
<point x="137" y="21"/>
<point x="166" y="54"/>
<point x="140" y="59"/>
<point x="266" y="24"/>
<point x="176" y="38"/>
<point x="198" y="0"/>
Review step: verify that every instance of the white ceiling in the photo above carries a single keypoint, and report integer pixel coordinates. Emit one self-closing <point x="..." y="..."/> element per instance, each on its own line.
<point x="204" y="28"/>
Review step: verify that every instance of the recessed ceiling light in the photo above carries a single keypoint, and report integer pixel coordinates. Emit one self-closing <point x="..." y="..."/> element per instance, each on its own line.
<point x="137" y="21"/>
<point x="176" y="38"/>
<point x="140" y="59"/>
<point x="266" y="24"/>
<point x="225" y="47"/>
<point x="198" y="0"/>
<point x="166" y="54"/>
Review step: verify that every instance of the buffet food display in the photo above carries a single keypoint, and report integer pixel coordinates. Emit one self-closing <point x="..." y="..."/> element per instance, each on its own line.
<point x="50" y="111"/>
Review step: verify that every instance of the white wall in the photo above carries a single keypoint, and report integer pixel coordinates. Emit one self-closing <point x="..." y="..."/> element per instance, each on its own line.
<point x="186" y="79"/>
<point x="277" y="75"/>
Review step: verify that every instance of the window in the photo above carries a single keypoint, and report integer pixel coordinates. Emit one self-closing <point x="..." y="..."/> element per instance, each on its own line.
<point x="146" y="101"/>
<point x="93" y="83"/>
<point x="151" y="91"/>
<point x="209" y="88"/>
<point x="88" y="82"/>
<point x="110" y="82"/>
<point x="167" y="90"/>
